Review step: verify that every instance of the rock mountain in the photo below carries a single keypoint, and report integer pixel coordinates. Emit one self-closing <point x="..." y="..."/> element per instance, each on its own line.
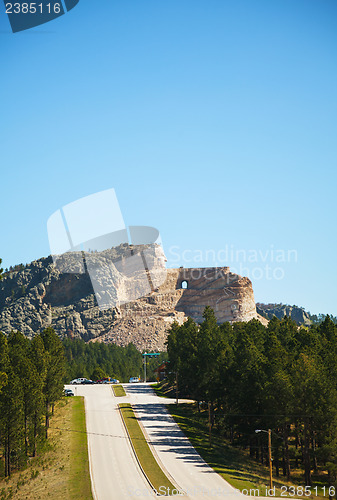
<point x="41" y="294"/>
<point x="297" y="314"/>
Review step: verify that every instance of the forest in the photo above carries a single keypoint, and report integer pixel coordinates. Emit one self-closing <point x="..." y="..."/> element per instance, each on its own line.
<point x="32" y="376"/>
<point x="96" y="360"/>
<point x="31" y="381"/>
<point x="251" y="377"/>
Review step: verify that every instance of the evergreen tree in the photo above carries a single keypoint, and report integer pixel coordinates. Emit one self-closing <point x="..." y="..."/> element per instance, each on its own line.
<point x="3" y="380"/>
<point x="183" y="351"/>
<point x="98" y="374"/>
<point x="38" y="359"/>
<point x="11" y="409"/>
<point x="55" y="371"/>
<point x="20" y="354"/>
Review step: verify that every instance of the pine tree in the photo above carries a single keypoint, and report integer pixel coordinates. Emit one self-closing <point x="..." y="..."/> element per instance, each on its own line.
<point x="3" y="380"/>
<point x="39" y="361"/>
<point x="55" y="372"/>
<point x="11" y="408"/>
<point x="20" y="350"/>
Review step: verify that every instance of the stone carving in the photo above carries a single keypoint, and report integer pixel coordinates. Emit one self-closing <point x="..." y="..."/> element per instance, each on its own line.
<point x="39" y="295"/>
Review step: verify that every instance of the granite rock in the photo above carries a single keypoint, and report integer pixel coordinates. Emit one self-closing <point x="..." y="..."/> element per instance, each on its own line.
<point x="43" y="294"/>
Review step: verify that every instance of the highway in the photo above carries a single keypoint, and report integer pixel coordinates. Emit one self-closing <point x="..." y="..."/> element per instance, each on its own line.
<point x="115" y="474"/>
<point x="175" y="453"/>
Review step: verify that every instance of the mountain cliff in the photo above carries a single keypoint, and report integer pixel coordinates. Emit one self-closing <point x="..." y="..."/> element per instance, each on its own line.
<point x="41" y="294"/>
<point x="297" y="314"/>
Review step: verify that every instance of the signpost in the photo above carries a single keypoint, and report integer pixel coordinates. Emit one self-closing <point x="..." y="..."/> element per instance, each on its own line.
<point x="148" y="355"/>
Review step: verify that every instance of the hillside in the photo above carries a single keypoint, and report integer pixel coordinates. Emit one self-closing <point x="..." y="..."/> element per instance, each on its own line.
<point x="39" y="294"/>
<point x="298" y="314"/>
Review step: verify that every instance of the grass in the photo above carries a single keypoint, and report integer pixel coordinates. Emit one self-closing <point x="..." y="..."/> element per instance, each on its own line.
<point x="79" y="471"/>
<point x="61" y="470"/>
<point x="118" y="390"/>
<point x="233" y="464"/>
<point x="164" y="390"/>
<point x="154" y="473"/>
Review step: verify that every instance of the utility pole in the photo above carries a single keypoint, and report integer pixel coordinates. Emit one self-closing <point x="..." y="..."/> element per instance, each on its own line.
<point x="144" y="357"/>
<point x="270" y="460"/>
<point x="209" y="424"/>
<point x="269" y="456"/>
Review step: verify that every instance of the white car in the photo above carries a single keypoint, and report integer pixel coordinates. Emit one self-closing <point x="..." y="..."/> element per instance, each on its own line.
<point x="78" y="380"/>
<point x="134" y="380"/>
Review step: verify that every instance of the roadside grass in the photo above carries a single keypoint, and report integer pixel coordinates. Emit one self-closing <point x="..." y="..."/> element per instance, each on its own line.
<point x="61" y="469"/>
<point x="164" y="390"/>
<point x="154" y="473"/>
<point x="80" y="483"/>
<point x="118" y="390"/>
<point x="233" y="464"/>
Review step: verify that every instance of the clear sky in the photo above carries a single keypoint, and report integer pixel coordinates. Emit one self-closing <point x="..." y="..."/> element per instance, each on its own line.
<point x="214" y="120"/>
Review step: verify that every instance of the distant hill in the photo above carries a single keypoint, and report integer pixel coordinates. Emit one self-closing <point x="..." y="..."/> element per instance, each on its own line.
<point x="296" y="313"/>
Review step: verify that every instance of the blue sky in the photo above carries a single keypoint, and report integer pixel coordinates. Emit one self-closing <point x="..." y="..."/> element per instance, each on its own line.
<point x="215" y="121"/>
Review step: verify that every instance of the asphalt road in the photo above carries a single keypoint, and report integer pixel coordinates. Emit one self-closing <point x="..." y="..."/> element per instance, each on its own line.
<point x="195" y="479"/>
<point x="115" y="474"/>
<point x="114" y="470"/>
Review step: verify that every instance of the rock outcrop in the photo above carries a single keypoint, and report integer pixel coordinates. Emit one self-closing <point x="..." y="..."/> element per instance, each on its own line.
<point x="41" y="295"/>
<point x="297" y="314"/>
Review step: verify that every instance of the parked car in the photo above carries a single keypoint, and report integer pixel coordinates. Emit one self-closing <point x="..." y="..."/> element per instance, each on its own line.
<point x="88" y="381"/>
<point x="108" y="380"/>
<point x="78" y="380"/>
<point x="134" y="380"/>
<point x="68" y="392"/>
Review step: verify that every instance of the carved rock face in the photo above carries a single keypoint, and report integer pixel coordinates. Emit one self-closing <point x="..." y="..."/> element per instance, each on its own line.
<point x="39" y="295"/>
<point x="229" y="295"/>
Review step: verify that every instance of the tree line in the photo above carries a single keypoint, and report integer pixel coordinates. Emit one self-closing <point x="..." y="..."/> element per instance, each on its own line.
<point x="320" y="318"/>
<point x="279" y="377"/>
<point x="96" y="360"/>
<point x="32" y="376"/>
<point x="31" y="379"/>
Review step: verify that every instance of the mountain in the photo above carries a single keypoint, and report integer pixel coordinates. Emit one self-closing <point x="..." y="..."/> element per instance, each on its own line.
<point x="298" y="314"/>
<point x="43" y="294"/>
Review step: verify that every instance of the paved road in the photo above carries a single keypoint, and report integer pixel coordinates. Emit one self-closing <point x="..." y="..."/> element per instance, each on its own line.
<point x="115" y="475"/>
<point x="175" y="453"/>
<point x="114" y="472"/>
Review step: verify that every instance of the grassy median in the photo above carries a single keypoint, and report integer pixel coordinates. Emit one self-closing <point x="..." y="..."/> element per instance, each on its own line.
<point x="61" y="469"/>
<point x="118" y="390"/>
<point x="154" y="473"/>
